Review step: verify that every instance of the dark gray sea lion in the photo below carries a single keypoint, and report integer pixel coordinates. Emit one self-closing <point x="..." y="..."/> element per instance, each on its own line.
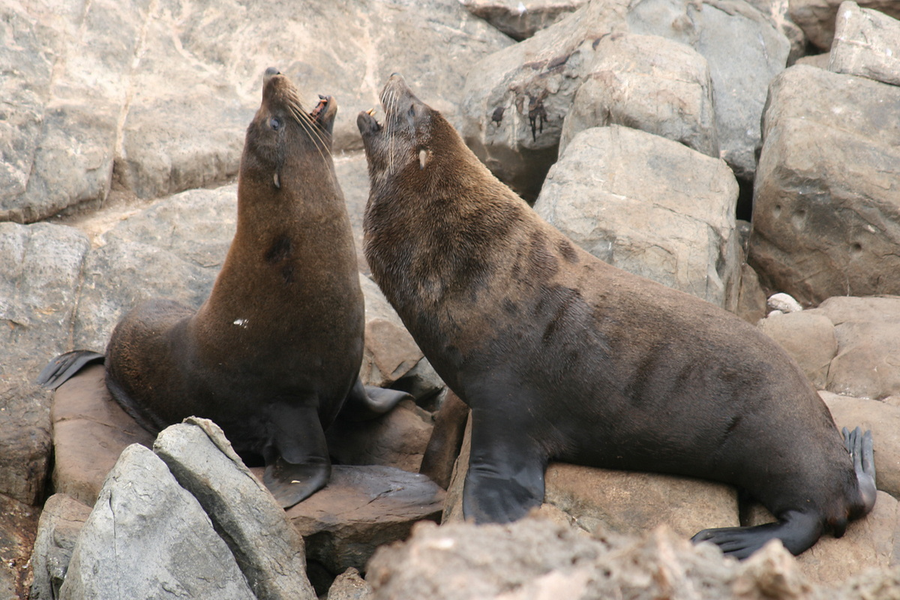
<point x="561" y="356"/>
<point x="275" y="351"/>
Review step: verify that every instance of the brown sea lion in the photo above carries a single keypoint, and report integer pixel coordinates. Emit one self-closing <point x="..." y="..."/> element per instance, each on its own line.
<point x="275" y="350"/>
<point x="561" y="356"/>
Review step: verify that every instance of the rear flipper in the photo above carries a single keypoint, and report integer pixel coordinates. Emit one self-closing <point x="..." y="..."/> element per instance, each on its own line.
<point x="297" y="463"/>
<point x="862" y="450"/>
<point x="65" y="366"/>
<point x="366" y="402"/>
<point x="796" y="530"/>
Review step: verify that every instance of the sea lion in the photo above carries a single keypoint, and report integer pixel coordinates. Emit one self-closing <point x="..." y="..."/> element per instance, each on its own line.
<point x="276" y="349"/>
<point x="562" y="356"/>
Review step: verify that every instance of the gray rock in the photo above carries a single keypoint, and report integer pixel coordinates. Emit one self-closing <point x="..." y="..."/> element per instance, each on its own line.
<point x="817" y="17"/>
<point x="515" y="100"/>
<point x="521" y="19"/>
<point x="147" y="537"/>
<point x="349" y="586"/>
<point x="650" y="206"/>
<point x="867" y="44"/>
<point x="777" y="12"/>
<point x="824" y="217"/>
<point x="744" y="52"/>
<point x="61" y="520"/>
<point x="648" y="83"/>
<point x="361" y="508"/>
<point x="267" y="548"/>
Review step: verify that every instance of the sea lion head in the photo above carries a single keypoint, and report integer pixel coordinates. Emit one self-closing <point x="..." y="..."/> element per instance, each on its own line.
<point x="282" y="131"/>
<point x="405" y="144"/>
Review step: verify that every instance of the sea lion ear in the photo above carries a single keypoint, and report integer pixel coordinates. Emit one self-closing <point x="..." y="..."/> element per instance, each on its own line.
<point x="325" y="112"/>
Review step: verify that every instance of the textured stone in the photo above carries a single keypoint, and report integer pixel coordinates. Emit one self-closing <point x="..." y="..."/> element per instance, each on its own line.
<point x="867" y="44"/>
<point x="143" y="513"/>
<point x="349" y="586"/>
<point x="650" y="206"/>
<point x="817" y="17"/>
<point x="61" y="520"/>
<point x="18" y="526"/>
<point x="809" y="338"/>
<point x="522" y="19"/>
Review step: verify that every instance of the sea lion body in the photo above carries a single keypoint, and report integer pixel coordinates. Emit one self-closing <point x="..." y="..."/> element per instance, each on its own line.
<point x="275" y="350"/>
<point x="561" y="356"/>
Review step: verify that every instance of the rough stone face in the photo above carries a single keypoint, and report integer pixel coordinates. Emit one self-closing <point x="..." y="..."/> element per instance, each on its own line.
<point x="744" y="52"/>
<point x="648" y="83"/>
<point x="867" y="44"/>
<point x="18" y="524"/>
<point x="90" y="430"/>
<point x="817" y="17"/>
<point x="520" y="20"/>
<point x="142" y="512"/>
<point x="515" y="100"/>
<point x="349" y="586"/>
<point x="825" y="218"/>
<point x="777" y="11"/>
<point x="268" y="549"/>
<point x="157" y="96"/>
<point x="360" y="509"/>
<point x="650" y="206"/>
<point x="61" y="520"/>
<point x="809" y="338"/>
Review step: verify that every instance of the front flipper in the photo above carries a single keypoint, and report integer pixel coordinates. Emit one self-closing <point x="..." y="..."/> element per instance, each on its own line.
<point x="796" y="530"/>
<point x="506" y="472"/>
<point x="862" y="451"/>
<point x="366" y="402"/>
<point x="63" y="367"/>
<point x="297" y="463"/>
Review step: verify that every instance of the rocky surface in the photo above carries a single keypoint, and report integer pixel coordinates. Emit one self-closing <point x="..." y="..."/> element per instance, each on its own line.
<point x="105" y="108"/>
<point x="521" y="19"/>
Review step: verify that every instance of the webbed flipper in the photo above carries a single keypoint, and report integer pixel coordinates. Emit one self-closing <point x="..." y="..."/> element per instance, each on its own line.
<point x="65" y="366"/>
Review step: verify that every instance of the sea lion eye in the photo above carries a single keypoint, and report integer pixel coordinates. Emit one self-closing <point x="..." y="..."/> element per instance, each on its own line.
<point x="275" y="123"/>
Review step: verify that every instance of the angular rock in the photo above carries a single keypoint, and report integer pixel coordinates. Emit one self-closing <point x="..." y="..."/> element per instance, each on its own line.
<point x="883" y="420"/>
<point x="25" y="440"/>
<point x="825" y="200"/>
<point x="752" y="300"/>
<point x="744" y="51"/>
<point x="777" y="12"/>
<point x="61" y="520"/>
<point x="268" y="550"/>
<point x="142" y="512"/>
<point x="650" y="206"/>
<point x="809" y="338"/>
<point x="521" y="20"/>
<point x="18" y="525"/>
<point x="360" y="509"/>
<point x="867" y="44"/>
<point x="648" y="83"/>
<point x="349" y="586"/>
<point x="90" y="431"/>
<point x="865" y="365"/>
<point x="397" y="439"/>
<point x="353" y="175"/>
<point x="817" y="17"/>
<point x="515" y="100"/>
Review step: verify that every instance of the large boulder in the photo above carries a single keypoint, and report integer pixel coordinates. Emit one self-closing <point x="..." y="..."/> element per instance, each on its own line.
<point x="143" y="512"/>
<point x="825" y="218"/>
<point x="650" y="206"/>
<point x="744" y="51"/>
<point x="156" y="97"/>
<point x="867" y="44"/>
<point x="817" y="17"/>
<point x="647" y="83"/>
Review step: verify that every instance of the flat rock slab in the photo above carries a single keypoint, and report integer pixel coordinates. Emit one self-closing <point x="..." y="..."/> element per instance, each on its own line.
<point x="90" y="430"/>
<point x="361" y="508"/>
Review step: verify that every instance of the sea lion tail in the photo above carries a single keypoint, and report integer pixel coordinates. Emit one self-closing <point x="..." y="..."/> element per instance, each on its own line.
<point x="862" y="450"/>
<point x="63" y="367"/>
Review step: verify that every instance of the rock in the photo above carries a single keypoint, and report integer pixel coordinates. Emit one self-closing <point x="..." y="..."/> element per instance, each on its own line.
<point x="349" y="586"/>
<point x="353" y="175"/>
<point x="18" y="524"/>
<point x="360" y="509"/>
<point x="810" y="340"/>
<point x="90" y="430"/>
<point x="824" y="219"/>
<point x="446" y="440"/>
<point x="650" y="206"/>
<point x="142" y="512"/>
<point x="648" y="83"/>
<point x="752" y="300"/>
<point x="520" y="20"/>
<point x="157" y="98"/>
<point x="61" y="520"/>
<point x="867" y="44"/>
<point x="632" y="503"/>
<point x="397" y="439"/>
<point x="515" y="100"/>
<point x="817" y="17"/>
<point x="777" y="12"/>
<point x="744" y="51"/>
<point x="242" y="510"/>
<point x="883" y="420"/>
<point x="784" y="303"/>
